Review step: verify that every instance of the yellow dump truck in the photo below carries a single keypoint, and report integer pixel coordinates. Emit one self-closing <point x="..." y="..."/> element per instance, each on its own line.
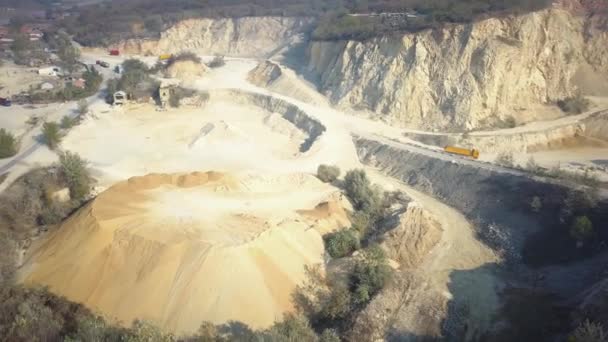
<point x="473" y="153"/>
<point x="164" y="57"/>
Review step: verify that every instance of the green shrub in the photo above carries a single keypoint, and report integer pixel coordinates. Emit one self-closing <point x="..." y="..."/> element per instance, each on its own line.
<point x="532" y="166"/>
<point x="505" y="159"/>
<point x="588" y="332"/>
<point x="338" y="303"/>
<point x="362" y="222"/>
<point x="74" y="171"/>
<point x="582" y="228"/>
<point x="83" y="107"/>
<point x="536" y="204"/>
<point x="291" y="328"/>
<point x="360" y="191"/>
<point x="341" y="243"/>
<point x="576" y="104"/>
<point x="216" y="62"/>
<point x="329" y="335"/>
<point x="68" y="122"/>
<point x="370" y="274"/>
<point x="51" y="134"/>
<point x="184" y="56"/>
<point x="328" y="173"/>
<point x="8" y="144"/>
<point x="177" y="94"/>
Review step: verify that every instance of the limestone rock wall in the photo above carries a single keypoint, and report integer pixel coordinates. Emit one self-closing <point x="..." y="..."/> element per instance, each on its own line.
<point x="248" y="36"/>
<point x="464" y="76"/>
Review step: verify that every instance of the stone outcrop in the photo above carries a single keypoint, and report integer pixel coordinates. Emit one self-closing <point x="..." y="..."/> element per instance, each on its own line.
<point x="415" y="235"/>
<point x="249" y="36"/>
<point x="465" y="76"/>
<point x="264" y="74"/>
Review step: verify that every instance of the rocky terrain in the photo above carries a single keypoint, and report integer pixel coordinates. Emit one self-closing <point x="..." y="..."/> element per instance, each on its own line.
<point x="464" y="76"/>
<point x="456" y="77"/>
<point x="249" y="36"/>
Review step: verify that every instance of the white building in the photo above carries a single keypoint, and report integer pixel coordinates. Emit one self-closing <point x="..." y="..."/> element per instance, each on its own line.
<point x="120" y="97"/>
<point x="49" y="71"/>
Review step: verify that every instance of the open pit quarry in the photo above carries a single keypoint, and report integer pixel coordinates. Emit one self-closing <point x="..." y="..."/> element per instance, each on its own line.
<point x="211" y="211"/>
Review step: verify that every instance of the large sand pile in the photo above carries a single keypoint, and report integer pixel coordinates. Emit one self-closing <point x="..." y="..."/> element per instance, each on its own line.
<point x="181" y="249"/>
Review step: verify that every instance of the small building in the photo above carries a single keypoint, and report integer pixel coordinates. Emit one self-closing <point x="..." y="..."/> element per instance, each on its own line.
<point x="165" y="91"/>
<point x="79" y="83"/>
<point x="47" y="86"/>
<point x="120" y="97"/>
<point x="49" y="71"/>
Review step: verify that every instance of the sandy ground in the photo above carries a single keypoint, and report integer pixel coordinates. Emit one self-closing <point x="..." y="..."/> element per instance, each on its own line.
<point x="181" y="250"/>
<point x="15" y="79"/>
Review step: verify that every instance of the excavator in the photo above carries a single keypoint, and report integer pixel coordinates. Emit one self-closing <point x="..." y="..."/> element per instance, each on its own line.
<point x="472" y="153"/>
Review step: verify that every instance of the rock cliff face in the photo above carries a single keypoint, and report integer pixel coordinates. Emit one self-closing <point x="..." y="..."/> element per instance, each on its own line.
<point x="465" y="76"/>
<point x="250" y="37"/>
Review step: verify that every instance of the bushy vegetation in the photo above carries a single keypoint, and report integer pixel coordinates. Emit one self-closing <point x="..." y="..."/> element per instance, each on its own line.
<point x="68" y="122"/>
<point x="588" y="332"/>
<point x="341" y="243"/>
<point x="581" y="229"/>
<point x="339" y="24"/>
<point x="370" y="275"/>
<point x="51" y="134"/>
<point x="76" y="175"/>
<point x="184" y="56"/>
<point x="177" y="94"/>
<point x="216" y="62"/>
<point x="331" y="304"/>
<point x="27" y="52"/>
<point x="359" y="190"/>
<point x="505" y="159"/>
<point x="328" y="173"/>
<point x="585" y="177"/>
<point x="66" y="51"/>
<point x="135" y="81"/>
<point x="108" y="22"/>
<point x="573" y="105"/>
<point x="536" y="204"/>
<point x="8" y="144"/>
<point x="508" y="122"/>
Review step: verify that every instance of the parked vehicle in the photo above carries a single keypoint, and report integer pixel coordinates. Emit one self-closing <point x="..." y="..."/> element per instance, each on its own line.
<point x="114" y="52"/>
<point x="473" y="153"/>
<point x="5" y="102"/>
<point x="102" y="64"/>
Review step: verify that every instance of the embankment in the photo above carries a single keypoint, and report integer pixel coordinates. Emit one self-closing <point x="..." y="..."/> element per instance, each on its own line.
<point x="313" y="128"/>
<point x="497" y="202"/>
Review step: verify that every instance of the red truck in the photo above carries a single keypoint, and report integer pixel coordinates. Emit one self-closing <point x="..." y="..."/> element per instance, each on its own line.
<point x="114" y="52"/>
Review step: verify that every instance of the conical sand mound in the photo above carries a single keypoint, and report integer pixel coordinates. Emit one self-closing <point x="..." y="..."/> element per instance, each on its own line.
<point x="182" y="249"/>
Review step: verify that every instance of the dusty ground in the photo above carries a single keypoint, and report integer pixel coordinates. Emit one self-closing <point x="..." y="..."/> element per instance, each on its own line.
<point x="15" y="79"/>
